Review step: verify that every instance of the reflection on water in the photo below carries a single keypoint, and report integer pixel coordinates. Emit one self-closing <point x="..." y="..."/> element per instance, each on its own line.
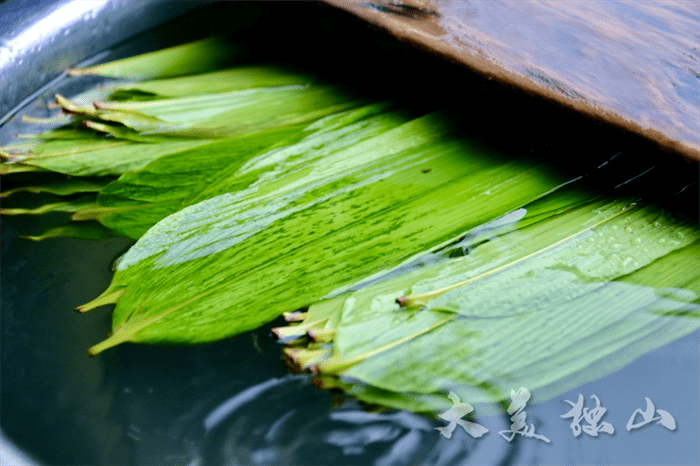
<point x="282" y="421"/>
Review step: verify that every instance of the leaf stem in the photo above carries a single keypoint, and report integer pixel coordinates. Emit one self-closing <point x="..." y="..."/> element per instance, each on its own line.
<point x="421" y="299"/>
<point x="302" y="358"/>
<point x="296" y="330"/>
<point x="109" y="296"/>
<point x="113" y="340"/>
<point x="324" y="335"/>
<point x="337" y="364"/>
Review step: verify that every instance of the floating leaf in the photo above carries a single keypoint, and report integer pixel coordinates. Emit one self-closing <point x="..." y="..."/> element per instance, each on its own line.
<point x="563" y="293"/>
<point x="220" y="115"/>
<point x="103" y="158"/>
<point x="216" y="82"/>
<point x="138" y="200"/>
<point x="194" y="57"/>
<point x="65" y="206"/>
<point x="321" y="213"/>
<point x="82" y="230"/>
<point x="63" y="187"/>
<point x="10" y="168"/>
<point x="268" y="191"/>
<point x="80" y="152"/>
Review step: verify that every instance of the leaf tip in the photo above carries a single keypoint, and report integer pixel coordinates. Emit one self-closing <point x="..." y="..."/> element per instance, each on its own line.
<point x="113" y="340"/>
<point x="295" y="316"/>
<point x="109" y="296"/>
<point x="100" y="347"/>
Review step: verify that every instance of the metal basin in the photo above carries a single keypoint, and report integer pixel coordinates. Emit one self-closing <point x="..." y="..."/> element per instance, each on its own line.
<point x="233" y="402"/>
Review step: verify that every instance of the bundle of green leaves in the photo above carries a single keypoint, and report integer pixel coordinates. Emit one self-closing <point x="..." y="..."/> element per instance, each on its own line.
<point x="424" y="260"/>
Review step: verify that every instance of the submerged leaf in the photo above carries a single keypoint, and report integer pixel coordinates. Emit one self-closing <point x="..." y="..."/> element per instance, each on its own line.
<point x="80" y="152"/>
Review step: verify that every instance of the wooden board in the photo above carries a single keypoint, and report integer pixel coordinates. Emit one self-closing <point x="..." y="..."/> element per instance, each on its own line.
<point x="632" y="65"/>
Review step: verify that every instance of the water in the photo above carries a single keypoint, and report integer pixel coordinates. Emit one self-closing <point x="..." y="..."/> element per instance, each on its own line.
<point x="234" y="402"/>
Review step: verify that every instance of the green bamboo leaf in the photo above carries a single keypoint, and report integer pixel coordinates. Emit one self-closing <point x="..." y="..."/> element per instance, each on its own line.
<point x="324" y="213"/>
<point x="317" y="317"/>
<point x="127" y="94"/>
<point x="10" y="168"/>
<point x="139" y="199"/>
<point x="216" y="82"/>
<point x="222" y="115"/>
<point x="65" y="206"/>
<point x="567" y="290"/>
<point x="64" y="187"/>
<point x="29" y="142"/>
<point x="81" y="152"/>
<point x="194" y="57"/>
<point x="218" y="116"/>
<point x="120" y="132"/>
<point x="56" y="120"/>
<point x="81" y="230"/>
<point x="92" y="156"/>
<point x="103" y="115"/>
<point x="144" y="197"/>
<point x="102" y="157"/>
<point x="59" y="143"/>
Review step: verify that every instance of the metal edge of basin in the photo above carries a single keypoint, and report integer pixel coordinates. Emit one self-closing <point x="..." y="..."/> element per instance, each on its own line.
<point x="57" y="34"/>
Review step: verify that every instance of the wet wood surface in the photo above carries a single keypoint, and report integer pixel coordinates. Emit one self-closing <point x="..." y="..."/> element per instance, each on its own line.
<point x="632" y="65"/>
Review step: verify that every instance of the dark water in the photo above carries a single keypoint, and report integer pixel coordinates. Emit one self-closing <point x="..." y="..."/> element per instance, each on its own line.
<point x="234" y="402"/>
